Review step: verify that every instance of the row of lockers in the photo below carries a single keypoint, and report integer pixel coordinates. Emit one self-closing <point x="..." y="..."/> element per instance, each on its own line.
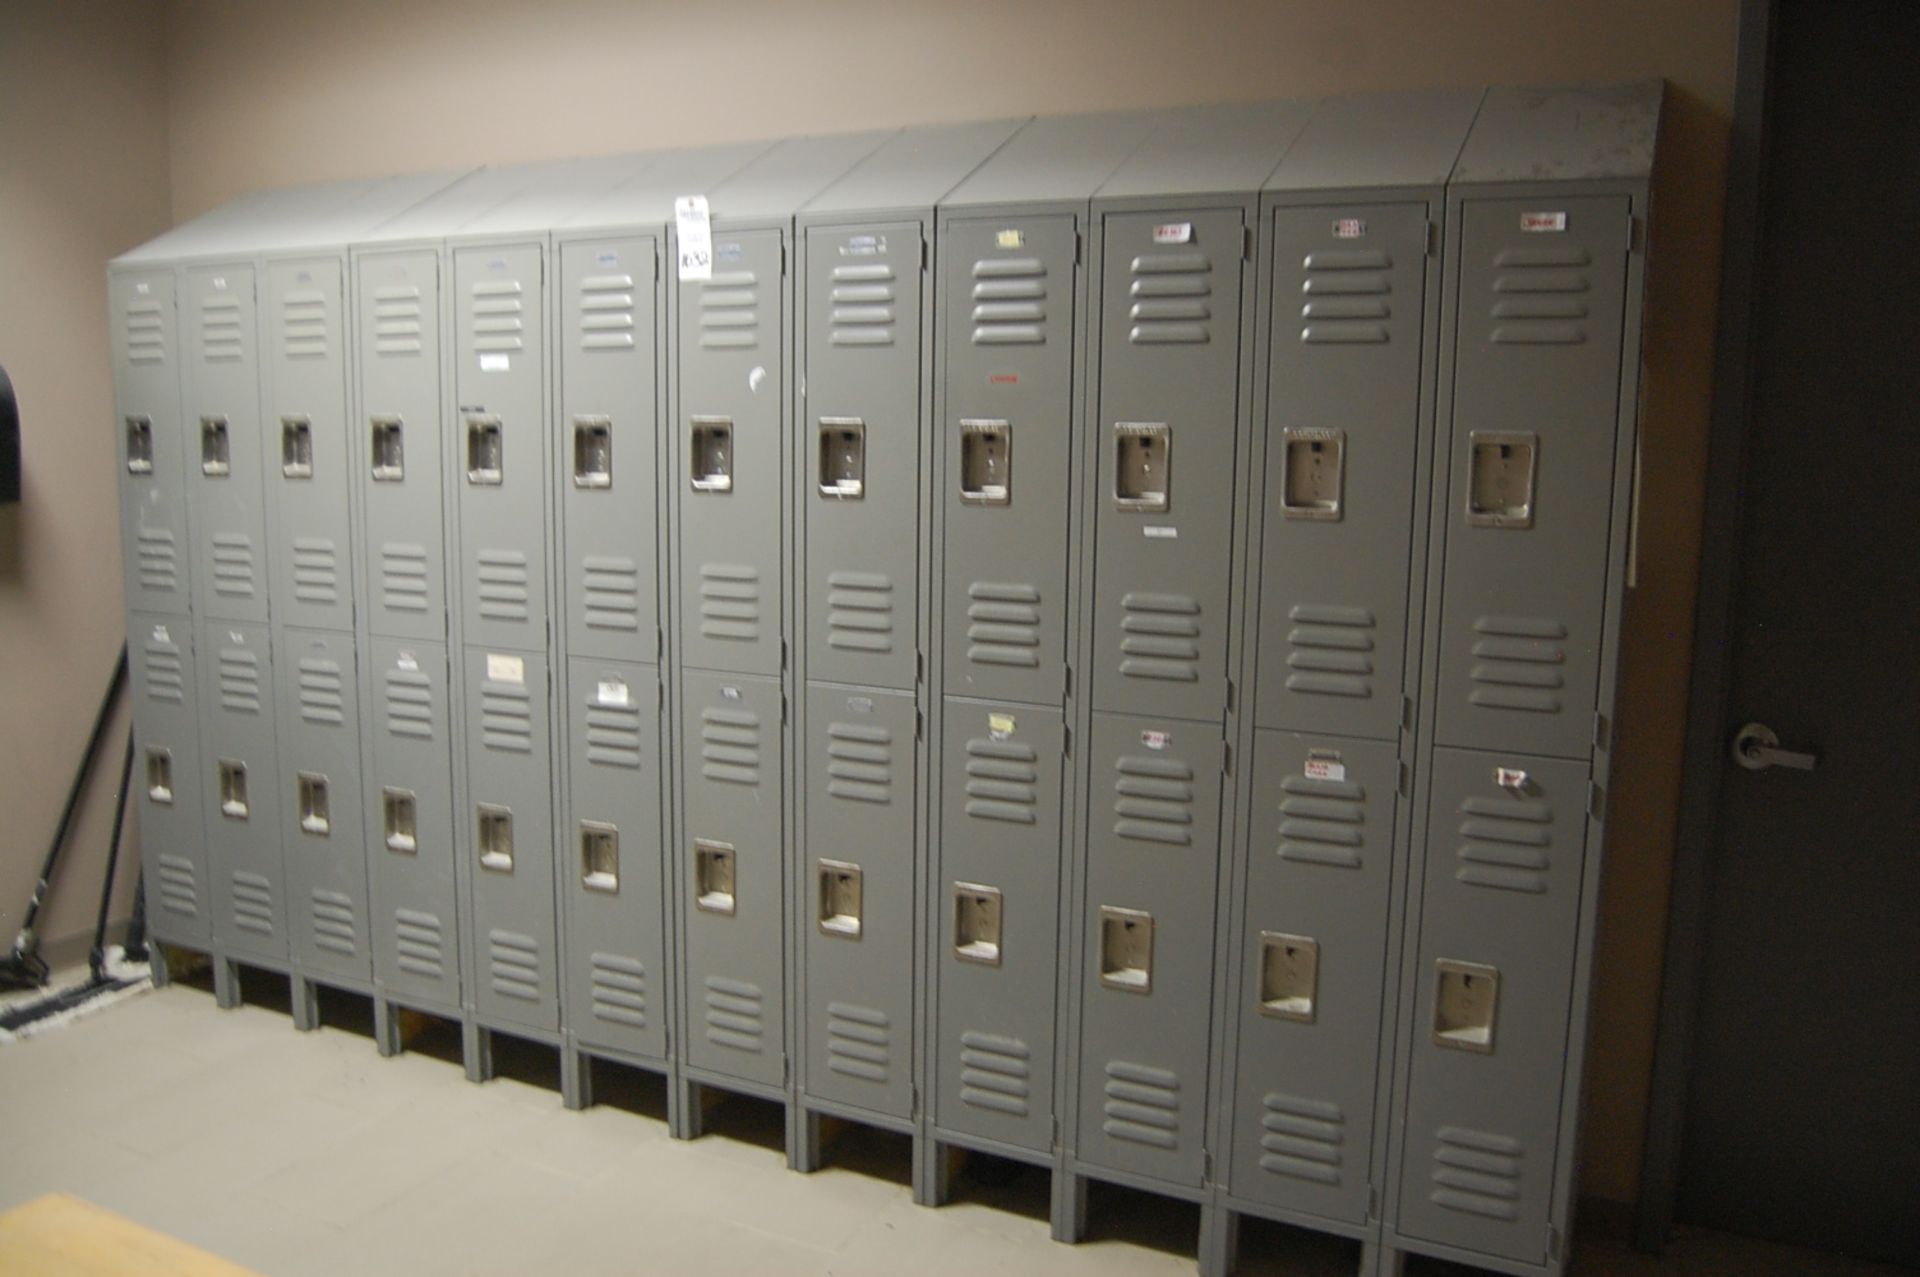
<point x="1089" y="639"/>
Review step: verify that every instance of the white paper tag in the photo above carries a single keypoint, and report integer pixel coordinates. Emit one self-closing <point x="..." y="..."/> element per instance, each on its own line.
<point x="614" y="692"/>
<point x="161" y="634"/>
<point x="495" y="363"/>
<point x="1173" y="233"/>
<point x="729" y="693"/>
<point x="407" y="661"/>
<point x="1510" y="778"/>
<point x="1325" y="769"/>
<point x="1156" y="740"/>
<point x="1000" y="726"/>
<point x="506" y="669"/>
<point x="1161" y="530"/>
<point x="1349" y="228"/>
<point x="1539" y="222"/>
<point x="1010" y="238"/>
<point x="694" y="229"/>
<point x="860" y="704"/>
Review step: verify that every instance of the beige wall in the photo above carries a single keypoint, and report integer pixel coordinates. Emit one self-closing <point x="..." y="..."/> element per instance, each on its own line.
<point x="83" y="175"/>
<point x="266" y="94"/>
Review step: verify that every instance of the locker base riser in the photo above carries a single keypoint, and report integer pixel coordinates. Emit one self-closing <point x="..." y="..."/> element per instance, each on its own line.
<point x="476" y="1041"/>
<point x="1225" y="1239"/>
<point x="805" y="1152"/>
<point x="227" y="993"/>
<point x="387" y="1036"/>
<point x="690" y="1102"/>
<point x="933" y="1172"/>
<point x="163" y="956"/>
<point x="576" y="1074"/>
<point x="1217" y="1226"/>
<point x="1394" y="1250"/>
<point x="304" y="988"/>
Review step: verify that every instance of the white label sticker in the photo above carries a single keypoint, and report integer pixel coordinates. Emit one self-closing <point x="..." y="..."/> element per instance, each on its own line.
<point x="1000" y="726"/>
<point x="506" y="669"/>
<point x="860" y="704"/>
<point x="1156" y="740"/>
<point x="695" y="231"/>
<point x="614" y="692"/>
<point x="495" y="363"/>
<point x="407" y="661"/>
<point x="1173" y="233"/>
<point x="1537" y="222"/>
<point x="1509" y="778"/>
<point x="161" y="635"/>
<point x="729" y="693"/>
<point x="1010" y="238"/>
<point x="1325" y="769"/>
<point x="1349" y="228"/>
<point x="1164" y="530"/>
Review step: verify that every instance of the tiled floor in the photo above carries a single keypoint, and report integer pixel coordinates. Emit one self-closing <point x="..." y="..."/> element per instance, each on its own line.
<point x="307" y="1153"/>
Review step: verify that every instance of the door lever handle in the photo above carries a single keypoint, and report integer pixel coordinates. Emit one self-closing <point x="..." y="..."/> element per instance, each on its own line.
<point x="1756" y="748"/>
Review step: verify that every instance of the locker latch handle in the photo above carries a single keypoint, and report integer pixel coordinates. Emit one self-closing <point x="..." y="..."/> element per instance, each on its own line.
<point x="485" y="448"/>
<point x="139" y="445"/>
<point x="986" y="461"/>
<point x="593" y="452"/>
<point x="1143" y="466"/>
<point x="1500" y="483"/>
<point x="839" y="899"/>
<point x="296" y="447"/>
<point x="160" y="775"/>
<point x="843" y="458"/>
<point x="710" y="454"/>
<point x="1465" y="1004"/>
<point x="1126" y="949"/>
<point x="713" y="881"/>
<point x="399" y="812"/>
<point x="315" y="818"/>
<point x="977" y="913"/>
<point x="1289" y="976"/>
<point x="1313" y="473"/>
<point x="600" y="856"/>
<point x="233" y="789"/>
<point x="389" y="450"/>
<point x="216" y="457"/>
<point x="495" y="834"/>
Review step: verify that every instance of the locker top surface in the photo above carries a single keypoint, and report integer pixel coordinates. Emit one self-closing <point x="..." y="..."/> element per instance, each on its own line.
<point x="318" y="216"/>
<point x="519" y="199"/>
<point x="646" y="199"/>
<point x="1378" y="140"/>
<point x="780" y="181"/>
<point x="1208" y="150"/>
<point x="913" y="169"/>
<point x="1059" y="159"/>
<point x="1580" y="133"/>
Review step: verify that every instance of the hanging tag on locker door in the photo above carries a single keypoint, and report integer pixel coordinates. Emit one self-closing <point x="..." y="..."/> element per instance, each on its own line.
<point x="694" y="231"/>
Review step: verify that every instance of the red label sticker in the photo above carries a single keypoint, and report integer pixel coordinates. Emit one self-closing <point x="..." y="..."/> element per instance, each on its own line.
<point x="1349" y="228"/>
<point x="1173" y="233"/>
<point x="1154" y="740"/>
<point x="1003" y="379"/>
<point x="1537" y="222"/>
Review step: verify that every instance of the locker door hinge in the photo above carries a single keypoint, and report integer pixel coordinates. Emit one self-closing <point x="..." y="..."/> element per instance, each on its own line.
<point x="1433" y="239"/>
<point x="783" y="655"/>
<point x="919" y="668"/>
<point x="916" y="1102"/>
<point x="1553" y="1243"/>
<point x="925" y="255"/>
<point x="1600" y="732"/>
<point x="1206" y="1166"/>
<point x="1066" y="737"/>
<point x="919" y="724"/>
<point x="1596" y="800"/>
<point x="783" y="709"/>
<point x="786" y="1071"/>
<point x="1373" y="1202"/>
<point x="659" y="644"/>
<point x="1078" y="239"/>
<point x="656" y="263"/>
<point x="1055" y="1137"/>
<point x="1636" y="234"/>
<point x="1246" y="243"/>
<point x="1233" y="695"/>
<point x="1067" y="684"/>
<point x="1406" y="713"/>
<point x="783" y="259"/>
<point x="1226" y="757"/>
<point x="1406" y="780"/>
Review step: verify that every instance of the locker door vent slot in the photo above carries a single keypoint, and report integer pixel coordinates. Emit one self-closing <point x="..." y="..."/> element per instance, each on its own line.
<point x="593" y="452"/>
<point x="1143" y="466"/>
<point x="986" y="462"/>
<point x="233" y="789"/>
<point x="843" y="458"/>
<point x="160" y="775"/>
<point x="840" y="899"/>
<point x="600" y="856"/>
<point x="1126" y="949"/>
<point x="485" y="448"/>
<point x="495" y="831"/>
<point x="389" y="450"/>
<point x="314" y="816"/>
<point x="139" y="445"/>
<point x="1289" y="976"/>
<point x="216" y="457"/>
<point x="296" y="447"/>
<point x="713" y="879"/>
<point x="1466" y="999"/>
<point x="398" y="816"/>
<point x="1313" y="475"/>
<point x="1500" y="489"/>
<point x="711" y="454"/>
<point x="976" y="923"/>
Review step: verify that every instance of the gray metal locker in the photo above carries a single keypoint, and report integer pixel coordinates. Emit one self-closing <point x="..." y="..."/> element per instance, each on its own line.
<point x="221" y="407"/>
<point x="731" y="877"/>
<point x="612" y="868"/>
<point x="856" y="887"/>
<point x="1313" y="953"/>
<point x="1490" y="1000"/>
<point x="307" y="479"/>
<point x="507" y="834"/>
<point x="151" y="448"/>
<point x="998" y="945"/>
<point x="1146" y="973"/>
<point x="408" y="817"/>
<point x="241" y="794"/>
<point x="323" y="839"/>
<point x="397" y="446"/>
<point x="167" y="777"/>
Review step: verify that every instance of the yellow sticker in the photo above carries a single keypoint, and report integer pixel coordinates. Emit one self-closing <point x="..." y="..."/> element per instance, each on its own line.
<point x="1010" y="238"/>
<point x="999" y="726"/>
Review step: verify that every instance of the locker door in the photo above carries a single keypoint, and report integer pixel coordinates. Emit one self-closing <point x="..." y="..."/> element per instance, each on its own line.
<point x="501" y="472"/>
<point x="858" y="879"/>
<point x="614" y="872"/>
<point x="1313" y="959"/>
<point x="1007" y="433"/>
<point x="322" y="837"/>
<point x="306" y="445"/>
<point x="731" y="847"/>
<point x="1147" y="980"/>
<point x="1343" y="439"/>
<point x="224" y="447"/>
<point x="1535" y="403"/>
<point x="240" y="774"/>
<point x="1498" y="924"/>
<point x="167" y="777"/>
<point x="999" y="955"/>
<point x="510" y="838"/>
<point x="732" y="377"/>
<point x="1169" y="384"/>
<point x="408" y="814"/>
<point x="606" y="440"/>
<point x="399" y="443"/>
<point x="859" y="444"/>
<point x="152" y="448"/>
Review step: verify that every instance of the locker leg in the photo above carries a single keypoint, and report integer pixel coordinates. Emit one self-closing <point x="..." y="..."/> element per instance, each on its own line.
<point x="576" y="1078"/>
<point x="932" y="1173"/>
<point x="1069" y="1204"/>
<point x="803" y="1138"/>
<point x="226" y="983"/>
<point x="157" y="964"/>
<point x="305" y="995"/>
<point x="1378" y="1259"/>
<point x="1219" y="1240"/>
<point x="476" y="1047"/>
<point x="684" y="1110"/>
<point x="386" y="1028"/>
